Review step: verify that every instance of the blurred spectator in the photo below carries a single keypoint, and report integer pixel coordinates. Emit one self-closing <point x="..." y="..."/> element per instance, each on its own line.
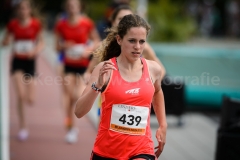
<point x="233" y="20"/>
<point x="106" y="22"/>
<point x="112" y="6"/>
<point x="207" y="17"/>
<point x="73" y="33"/>
<point x="206" y="23"/>
<point x="217" y="23"/>
<point x="25" y="30"/>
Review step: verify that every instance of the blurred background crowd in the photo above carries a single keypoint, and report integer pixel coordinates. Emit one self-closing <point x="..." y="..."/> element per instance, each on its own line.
<point x="194" y="18"/>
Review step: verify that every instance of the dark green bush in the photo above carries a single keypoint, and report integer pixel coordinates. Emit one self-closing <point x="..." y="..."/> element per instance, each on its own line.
<point x="168" y="18"/>
<point x="169" y="21"/>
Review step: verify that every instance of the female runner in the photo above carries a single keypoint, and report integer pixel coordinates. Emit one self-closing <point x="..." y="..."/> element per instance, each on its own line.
<point x="128" y="84"/>
<point x="27" y="43"/>
<point x="72" y="36"/>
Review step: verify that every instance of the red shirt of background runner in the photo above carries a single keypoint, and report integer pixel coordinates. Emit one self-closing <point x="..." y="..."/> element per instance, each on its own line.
<point x="78" y="34"/>
<point x="20" y="32"/>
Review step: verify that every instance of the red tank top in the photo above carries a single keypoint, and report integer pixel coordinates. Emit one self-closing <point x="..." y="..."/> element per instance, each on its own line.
<point x="78" y="34"/>
<point x="24" y="34"/>
<point x="124" y="129"/>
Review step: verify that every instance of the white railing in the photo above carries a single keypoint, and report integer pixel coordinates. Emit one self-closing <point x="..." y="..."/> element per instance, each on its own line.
<point x="4" y="104"/>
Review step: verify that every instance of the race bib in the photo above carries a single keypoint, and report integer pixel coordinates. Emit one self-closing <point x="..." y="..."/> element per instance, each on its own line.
<point x="23" y="46"/>
<point x="129" y="119"/>
<point x="75" y="51"/>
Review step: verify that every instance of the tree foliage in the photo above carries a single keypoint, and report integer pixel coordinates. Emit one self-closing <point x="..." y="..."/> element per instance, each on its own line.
<point x="169" y="21"/>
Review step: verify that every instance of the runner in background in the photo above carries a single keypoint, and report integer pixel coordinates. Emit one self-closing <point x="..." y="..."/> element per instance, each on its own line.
<point x="106" y="22"/>
<point x="72" y="37"/>
<point x="25" y="30"/>
<point x="60" y="53"/>
<point x="128" y="84"/>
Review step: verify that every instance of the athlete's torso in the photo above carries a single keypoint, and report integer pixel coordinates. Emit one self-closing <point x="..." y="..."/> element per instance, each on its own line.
<point x="124" y="130"/>
<point x="24" y="36"/>
<point x="78" y="34"/>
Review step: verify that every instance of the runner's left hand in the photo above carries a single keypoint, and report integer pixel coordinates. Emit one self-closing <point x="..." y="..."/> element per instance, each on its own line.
<point x="161" y="138"/>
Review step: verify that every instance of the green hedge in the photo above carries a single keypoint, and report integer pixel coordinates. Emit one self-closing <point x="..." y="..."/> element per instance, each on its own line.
<point x="96" y="9"/>
<point x="169" y="21"/>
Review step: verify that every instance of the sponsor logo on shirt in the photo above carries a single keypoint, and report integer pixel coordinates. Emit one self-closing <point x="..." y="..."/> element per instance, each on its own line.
<point x="133" y="91"/>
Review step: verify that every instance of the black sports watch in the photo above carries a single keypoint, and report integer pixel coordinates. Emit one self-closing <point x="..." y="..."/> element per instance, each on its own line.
<point x="95" y="88"/>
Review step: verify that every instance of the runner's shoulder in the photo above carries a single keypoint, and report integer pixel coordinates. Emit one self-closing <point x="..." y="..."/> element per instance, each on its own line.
<point x="154" y="67"/>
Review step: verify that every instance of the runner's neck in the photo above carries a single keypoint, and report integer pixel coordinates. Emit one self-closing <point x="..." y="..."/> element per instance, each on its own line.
<point x="74" y="19"/>
<point x="25" y="21"/>
<point x="130" y="66"/>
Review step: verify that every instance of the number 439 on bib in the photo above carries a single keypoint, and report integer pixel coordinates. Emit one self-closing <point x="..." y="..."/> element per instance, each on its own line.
<point x="129" y="119"/>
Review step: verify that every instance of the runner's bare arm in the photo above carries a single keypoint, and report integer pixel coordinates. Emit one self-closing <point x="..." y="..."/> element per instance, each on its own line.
<point x="60" y="44"/>
<point x="94" y="61"/>
<point x="6" y="38"/>
<point x="39" y="44"/>
<point x="100" y="75"/>
<point x="94" y="36"/>
<point x="149" y="54"/>
<point x="159" y="107"/>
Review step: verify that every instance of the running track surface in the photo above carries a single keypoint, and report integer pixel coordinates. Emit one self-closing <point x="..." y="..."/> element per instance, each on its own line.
<point x="45" y="121"/>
